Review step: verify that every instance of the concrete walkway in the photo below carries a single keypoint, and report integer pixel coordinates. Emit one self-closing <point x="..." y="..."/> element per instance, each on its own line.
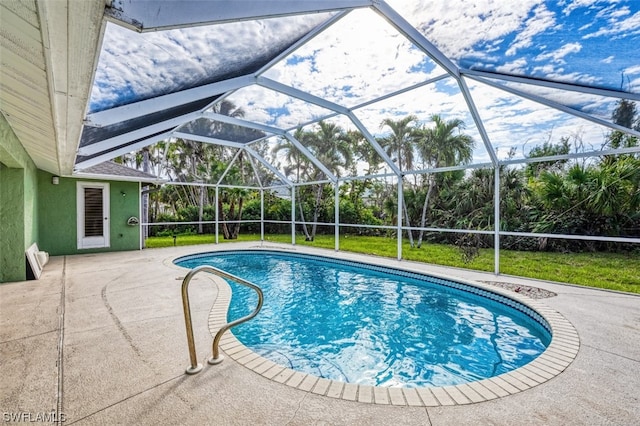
<point x="100" y="339"/>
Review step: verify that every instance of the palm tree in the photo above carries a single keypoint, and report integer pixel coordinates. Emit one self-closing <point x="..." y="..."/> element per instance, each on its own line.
<point x="229" y="109"/>
<point x="401" y="144"/>
<point x="598" y="199"/>
<point x="234" y="198"/>
<point x="364" y="152"/>
<point x="201" y="162"/>
<point x="297" y="165"/>
<point x="331" y="146"/>
<point x="441" y="146"/>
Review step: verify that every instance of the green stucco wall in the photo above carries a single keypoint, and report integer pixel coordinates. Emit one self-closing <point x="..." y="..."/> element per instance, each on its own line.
<point x="18" y="204"/>
<point x="57" y="216"/>
<point x="12" y="266"/>
<point x="32" y="209"/>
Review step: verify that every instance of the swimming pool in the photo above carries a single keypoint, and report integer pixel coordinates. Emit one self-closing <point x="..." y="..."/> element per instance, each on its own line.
<point x="371" y="325"/>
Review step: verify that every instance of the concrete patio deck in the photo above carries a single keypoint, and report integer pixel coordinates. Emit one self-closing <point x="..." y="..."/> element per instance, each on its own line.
<point x="100" y="338"/>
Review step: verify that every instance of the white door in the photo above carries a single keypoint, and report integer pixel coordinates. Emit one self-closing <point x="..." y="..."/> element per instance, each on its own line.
<point x="93" y="215"/>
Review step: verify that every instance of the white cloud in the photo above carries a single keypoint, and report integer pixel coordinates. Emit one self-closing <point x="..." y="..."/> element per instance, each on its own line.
<point x="618" y="28"/>
<point x="462" y="25"/>
<point x="542" y="21"/>
<point x="361" y="57"/>
<point x="546" y="70"/>
<point x="260" y="103"/>
<point x="635" y="84"/>
<point x="633" y="70"/>
<point x="576" y="4"/>
<point x="348" y="66"/>
<point x="512" y="121"/>
<point x="585" y="27"/>
<point x="558" y="54"/>
<point x="144" y="65"/>
<point x="515" y="67"/>
<point x="613" y="12"/>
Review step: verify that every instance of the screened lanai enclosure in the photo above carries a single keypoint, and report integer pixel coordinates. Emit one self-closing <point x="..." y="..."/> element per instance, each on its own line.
<point x="500" y="124"/>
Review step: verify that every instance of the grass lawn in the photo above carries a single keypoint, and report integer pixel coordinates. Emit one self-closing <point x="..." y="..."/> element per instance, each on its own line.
<point x="603" y="270"/>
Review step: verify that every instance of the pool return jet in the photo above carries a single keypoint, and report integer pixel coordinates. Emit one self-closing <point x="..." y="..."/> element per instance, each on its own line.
<point x="216" y="358"/>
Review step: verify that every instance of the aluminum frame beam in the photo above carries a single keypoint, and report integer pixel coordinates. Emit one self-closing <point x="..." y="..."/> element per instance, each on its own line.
<point x="560" y="107"/>
<point x="376" y="146"/>
<point x="126" y="138"/>
<point x="448" y="169"/>
<point x="552" y="84"/>
<point x="237" y="145"/>
<point x="304" y="40"/>
<point x="274" y="131"/>
<point x="574" y="237"/>
<point x="121" y="151"/>
<point x="299" y="94"/>
<point x="496" y="220"/>
<point x="478" y="120"/>
<point x="243" y="123"/>
<point x="156" y="15"/>
<point x="587" y="154"/>
<point x="314" y="182"/>
<point x="401" y="91"/>
<point x="310" y="156"/>
<point x="415" y="36"/>
<point x="255" y="171"/>
<point x="161" y="103"/>
<point x="268" y="165"/>
<point x="233" y="160"/>
<point x="207" y="139"/>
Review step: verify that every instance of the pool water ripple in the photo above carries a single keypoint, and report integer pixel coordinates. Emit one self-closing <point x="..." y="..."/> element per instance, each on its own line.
<point x="353" y="324"/>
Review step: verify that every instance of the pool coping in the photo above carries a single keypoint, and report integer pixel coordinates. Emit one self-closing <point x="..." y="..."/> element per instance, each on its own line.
<point x="562" y="350"/>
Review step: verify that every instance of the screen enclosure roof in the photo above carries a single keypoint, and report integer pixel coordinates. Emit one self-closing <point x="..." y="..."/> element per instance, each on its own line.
<point x="517" y="74"/>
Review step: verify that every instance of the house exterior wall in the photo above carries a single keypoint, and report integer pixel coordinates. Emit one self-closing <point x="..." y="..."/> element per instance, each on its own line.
<point x="58" y="221"/>
<point x="33" y="210"/>
<point x="18" y="204"/>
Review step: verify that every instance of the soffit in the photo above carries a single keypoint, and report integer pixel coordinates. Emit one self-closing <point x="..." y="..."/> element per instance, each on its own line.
<point x="47" y="54"/>
<point x="23" y="86"/>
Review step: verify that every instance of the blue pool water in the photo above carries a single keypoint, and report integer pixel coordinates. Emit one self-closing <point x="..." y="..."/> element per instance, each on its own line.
<point x="371" y="325"/>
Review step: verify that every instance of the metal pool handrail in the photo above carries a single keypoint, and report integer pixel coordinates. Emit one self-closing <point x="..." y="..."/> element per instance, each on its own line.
<point x="216" y="358"/>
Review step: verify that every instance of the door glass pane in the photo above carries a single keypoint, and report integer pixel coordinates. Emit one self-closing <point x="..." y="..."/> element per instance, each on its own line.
<point x="93" y="221"/>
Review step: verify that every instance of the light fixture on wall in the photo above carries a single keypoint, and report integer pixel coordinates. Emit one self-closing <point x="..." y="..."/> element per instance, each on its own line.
<point x="124" y="194"/>
<point x="55" y="180"/>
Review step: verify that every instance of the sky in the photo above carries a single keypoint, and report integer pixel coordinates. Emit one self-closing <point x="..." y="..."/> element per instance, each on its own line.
<point x="361" y="57"/>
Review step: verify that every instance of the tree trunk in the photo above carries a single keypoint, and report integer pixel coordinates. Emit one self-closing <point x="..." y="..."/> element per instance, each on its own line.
<point x="200" y="210"/>
<point x="235" y="230"/>
<point x="230" y="216"/>
<point x="221" y="218"/>
<point x="406" y="218"/>
<point x="307" y="237"/>
<point x="423" y="220"/>
<point x="183" y="194"/>
<point x="316" y="211"/>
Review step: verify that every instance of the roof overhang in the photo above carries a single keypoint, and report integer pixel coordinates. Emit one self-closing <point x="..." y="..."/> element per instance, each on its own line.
<point x="94" y="176"/>
<point x="164" y="15"/>
<point x="48" y="59"/>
